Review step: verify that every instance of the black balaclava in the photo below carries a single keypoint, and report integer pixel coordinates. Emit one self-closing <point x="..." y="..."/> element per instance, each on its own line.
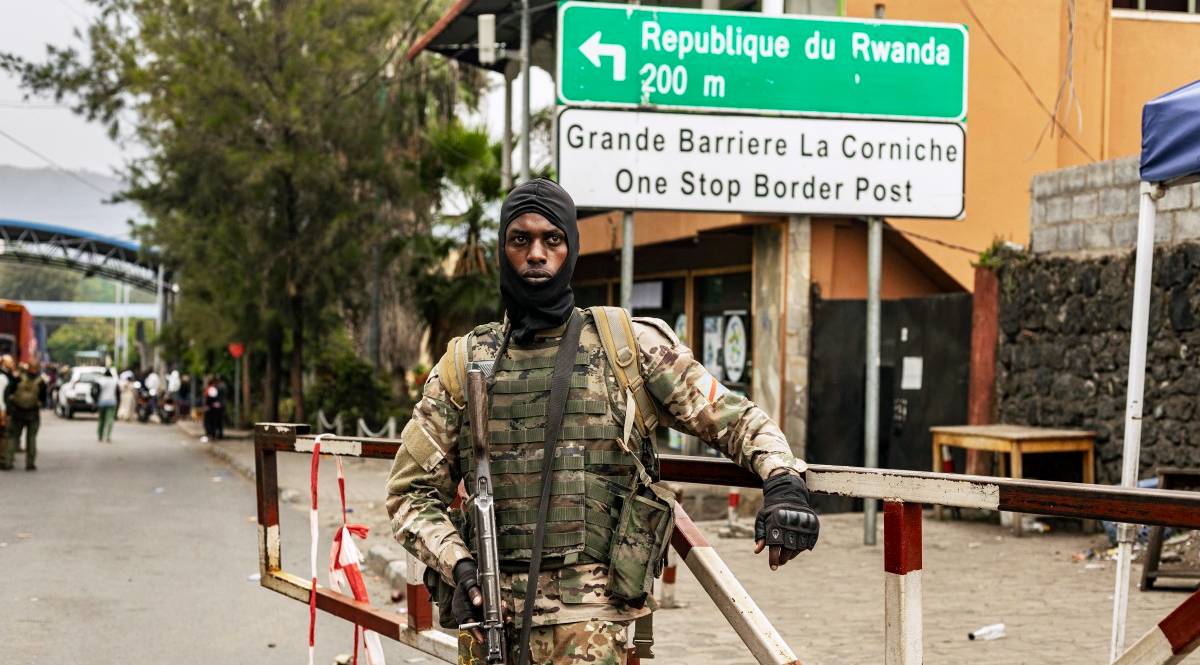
<point x="534" y="307"/>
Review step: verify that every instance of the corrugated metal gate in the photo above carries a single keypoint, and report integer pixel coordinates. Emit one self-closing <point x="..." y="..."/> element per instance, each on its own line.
<point x="923" y="375"/>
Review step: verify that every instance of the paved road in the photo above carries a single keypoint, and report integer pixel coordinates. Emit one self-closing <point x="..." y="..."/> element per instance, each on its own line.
<point x="104" y="567"/>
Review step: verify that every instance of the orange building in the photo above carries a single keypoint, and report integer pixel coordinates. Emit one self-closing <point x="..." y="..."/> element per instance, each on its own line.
<point x="1052" y="83"/>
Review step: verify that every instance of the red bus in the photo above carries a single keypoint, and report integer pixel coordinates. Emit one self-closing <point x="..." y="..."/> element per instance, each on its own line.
<point x="16" y="332"/>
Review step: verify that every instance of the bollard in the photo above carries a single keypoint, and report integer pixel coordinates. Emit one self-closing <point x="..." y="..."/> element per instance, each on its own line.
<point x="666" y="598"/>
<point x="735" y="497"/>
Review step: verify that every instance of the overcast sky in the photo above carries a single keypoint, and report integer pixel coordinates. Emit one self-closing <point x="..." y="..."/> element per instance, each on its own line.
<point x="71" y="142"/>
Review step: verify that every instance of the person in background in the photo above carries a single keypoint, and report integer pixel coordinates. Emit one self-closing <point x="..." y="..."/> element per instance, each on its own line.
<point x="128" y="401"/>
<point x="106" y="401"/>
<point x="214" y="410"/>
<point x="184" y="398"/>
<point x="25" y="415"/>
<point x="153" y="385"/>
<point x="6" y="382"/>
<point x="174" y="383"/>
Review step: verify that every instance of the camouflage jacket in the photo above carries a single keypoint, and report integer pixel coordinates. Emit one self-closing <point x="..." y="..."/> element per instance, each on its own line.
<point x="426" y="472"/>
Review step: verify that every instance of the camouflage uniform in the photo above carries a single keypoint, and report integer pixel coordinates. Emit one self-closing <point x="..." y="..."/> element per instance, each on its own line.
<point x="432" y="460"/>
<point x="597" y="642"/>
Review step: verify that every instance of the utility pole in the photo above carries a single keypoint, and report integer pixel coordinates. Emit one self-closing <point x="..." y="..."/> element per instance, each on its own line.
<point x="159" y="305"/>
<point x="871" y="410"/>
<point x="506" y="138"/>
<point x="116" y="355"/>
<point x="526" y="113"/>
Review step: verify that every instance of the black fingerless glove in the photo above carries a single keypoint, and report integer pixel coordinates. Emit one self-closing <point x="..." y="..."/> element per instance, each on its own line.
<point x="465" y="577"/>
<point x="785" y="519"/>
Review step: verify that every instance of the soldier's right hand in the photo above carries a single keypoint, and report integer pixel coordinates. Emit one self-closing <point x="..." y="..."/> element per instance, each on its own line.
<point x="467" y="604"/>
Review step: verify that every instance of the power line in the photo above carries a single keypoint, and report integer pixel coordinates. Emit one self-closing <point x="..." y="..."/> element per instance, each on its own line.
<point x="74" y="10"/>
<point x="943" y="243"/>
<point x="53" y="163"/>
<point x="1017" y="70"/>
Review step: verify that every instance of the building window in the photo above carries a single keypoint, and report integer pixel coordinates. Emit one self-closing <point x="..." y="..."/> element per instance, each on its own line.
<point x="1187" y="6"/>
<point x="663" y="299"/>
<point x="723" y="328"/>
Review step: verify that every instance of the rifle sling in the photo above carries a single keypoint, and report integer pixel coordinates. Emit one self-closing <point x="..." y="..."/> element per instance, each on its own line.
<point x="560" y="386"/>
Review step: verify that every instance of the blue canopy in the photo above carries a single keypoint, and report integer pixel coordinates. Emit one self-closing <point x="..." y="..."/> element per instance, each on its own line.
<point x="1171" y="135"/>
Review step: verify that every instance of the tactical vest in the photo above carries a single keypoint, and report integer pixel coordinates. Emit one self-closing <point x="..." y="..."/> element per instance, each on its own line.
<point x="593" y="476"/>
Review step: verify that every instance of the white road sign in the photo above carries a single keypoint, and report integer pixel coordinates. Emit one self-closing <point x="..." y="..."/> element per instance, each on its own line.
<point x="676" y="161"/>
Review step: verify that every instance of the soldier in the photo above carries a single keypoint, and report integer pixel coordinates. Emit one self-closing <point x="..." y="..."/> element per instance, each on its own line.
<point x="608" y="522"/>
<point x="24" y="415"/>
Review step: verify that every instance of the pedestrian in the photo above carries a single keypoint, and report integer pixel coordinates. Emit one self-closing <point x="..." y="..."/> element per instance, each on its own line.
<point x="127" y="408"/>
<point x="24" y="415"/>
<point x="214" y="411"/>
<point x="106" y="401"/>
<point x="599" y="560"/>
<point x="153" y="385"/>
<point x="7" y="384"/>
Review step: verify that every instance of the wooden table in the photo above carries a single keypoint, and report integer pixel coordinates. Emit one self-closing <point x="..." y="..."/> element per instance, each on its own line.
<point x="1169" y="478"/>
<point x="1016" y="441"/>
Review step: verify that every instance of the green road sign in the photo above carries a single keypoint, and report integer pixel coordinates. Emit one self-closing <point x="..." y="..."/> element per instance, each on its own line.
<point x="626" y="55"/>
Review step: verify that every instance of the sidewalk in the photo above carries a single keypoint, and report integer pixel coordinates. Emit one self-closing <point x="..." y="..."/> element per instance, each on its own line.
<point x="366" y="481"/>
<point x="828" y="604"/>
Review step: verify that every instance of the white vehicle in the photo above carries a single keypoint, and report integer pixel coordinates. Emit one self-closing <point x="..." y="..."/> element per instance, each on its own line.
<point x="76" y="394"/>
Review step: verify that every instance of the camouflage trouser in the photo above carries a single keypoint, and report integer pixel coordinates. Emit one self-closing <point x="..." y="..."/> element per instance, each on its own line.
<point x="597" y="642"/>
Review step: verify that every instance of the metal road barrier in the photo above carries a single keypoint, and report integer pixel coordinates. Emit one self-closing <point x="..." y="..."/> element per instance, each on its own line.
<point x="904" y="493"/>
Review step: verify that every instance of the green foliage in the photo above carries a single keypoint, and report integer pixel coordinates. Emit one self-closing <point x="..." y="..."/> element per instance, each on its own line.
<point x="999" y="253"/>
<point x="455" y="298"/>
<point x="29" y="281"/>
<point x="285" y="141"/>
<point x="78" y="335"/>
<point x="345" y="384"/>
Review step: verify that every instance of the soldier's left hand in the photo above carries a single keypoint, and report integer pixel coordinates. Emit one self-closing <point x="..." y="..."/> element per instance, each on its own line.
<point x="785" y="523"/>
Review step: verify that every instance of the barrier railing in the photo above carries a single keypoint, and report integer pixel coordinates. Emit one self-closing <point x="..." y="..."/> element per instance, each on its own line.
<point x="361" y="429"/>
<point x="904" y="493"/>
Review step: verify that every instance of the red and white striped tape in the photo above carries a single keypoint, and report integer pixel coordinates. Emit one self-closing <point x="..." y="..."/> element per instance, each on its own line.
<point x="345" y="559"/>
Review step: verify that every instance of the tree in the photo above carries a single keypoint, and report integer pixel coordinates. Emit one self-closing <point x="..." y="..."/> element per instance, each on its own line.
<point x="78" y="335"/>
<point x="29" y="281"/>
<point x="452" y="300"/>
<point x="285" y="139"/>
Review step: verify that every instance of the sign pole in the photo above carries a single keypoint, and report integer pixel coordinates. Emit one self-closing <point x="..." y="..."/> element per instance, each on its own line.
<point x="871" y="401"/>
<point x="237" y="392"/>
<point x="627" y="262"/>
<point x="871" y="412"/>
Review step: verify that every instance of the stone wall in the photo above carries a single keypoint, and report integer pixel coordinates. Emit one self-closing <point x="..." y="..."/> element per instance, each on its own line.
<point x="1064" y="348"/>
<point x="1094" y="208"/>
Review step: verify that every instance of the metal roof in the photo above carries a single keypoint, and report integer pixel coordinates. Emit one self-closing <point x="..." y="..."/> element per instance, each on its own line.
<point x="455" y="35"/>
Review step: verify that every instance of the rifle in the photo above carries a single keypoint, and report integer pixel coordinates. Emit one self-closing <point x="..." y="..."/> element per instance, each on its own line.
<point x="488" y="563"/>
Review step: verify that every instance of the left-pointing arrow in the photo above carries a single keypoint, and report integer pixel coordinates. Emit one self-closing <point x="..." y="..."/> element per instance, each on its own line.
<point x="593" y="50"/>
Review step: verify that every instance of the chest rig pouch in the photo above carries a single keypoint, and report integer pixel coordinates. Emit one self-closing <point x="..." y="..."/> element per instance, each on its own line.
<point x="605" y="507"/>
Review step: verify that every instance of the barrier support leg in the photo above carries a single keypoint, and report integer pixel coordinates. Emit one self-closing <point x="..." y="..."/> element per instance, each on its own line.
<point x="740" y="610"/>
<point x="1171" y="640"/>
<point x="902" y="583"/>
